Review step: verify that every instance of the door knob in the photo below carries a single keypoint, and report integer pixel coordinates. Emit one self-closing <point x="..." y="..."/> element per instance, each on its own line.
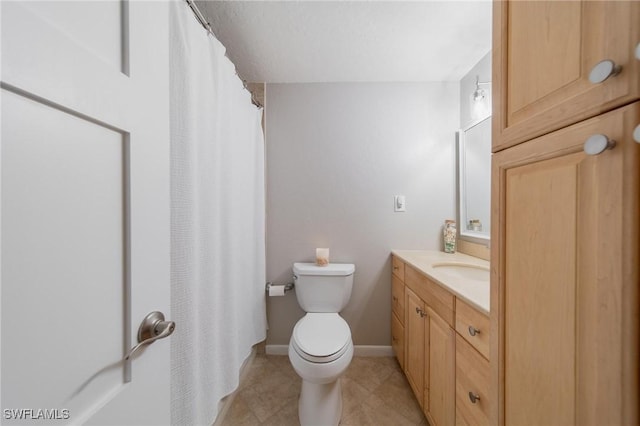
<point x="638" y="51"/>
<point x="473" y="331"/>
<point x="596" y="144"/>
<point x="153" y="327"/>
<point x="603" y="70"/>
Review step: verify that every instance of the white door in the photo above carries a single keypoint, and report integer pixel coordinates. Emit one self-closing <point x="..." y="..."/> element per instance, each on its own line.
<point x="85" y="211"/>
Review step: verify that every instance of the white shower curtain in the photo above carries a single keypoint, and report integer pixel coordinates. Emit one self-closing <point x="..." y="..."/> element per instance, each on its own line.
<point x="217" y="222"/>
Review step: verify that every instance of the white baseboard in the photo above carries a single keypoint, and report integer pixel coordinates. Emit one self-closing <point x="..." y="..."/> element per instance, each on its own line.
<point x="277" y="350"/>
<point x="373" y="350"/>
<point x="358" y="350"/>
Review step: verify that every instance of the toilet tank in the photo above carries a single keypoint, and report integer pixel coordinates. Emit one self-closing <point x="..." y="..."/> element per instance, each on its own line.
<point x="323" y="288"/>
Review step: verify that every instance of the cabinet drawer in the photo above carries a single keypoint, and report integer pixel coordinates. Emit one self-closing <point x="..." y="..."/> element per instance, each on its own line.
<point x="473" y="326"/>
<point x="472" y="383"/>
<point x="397" y="267"/>
<point x="397" y="339"/>
<point x="397" y="298"/>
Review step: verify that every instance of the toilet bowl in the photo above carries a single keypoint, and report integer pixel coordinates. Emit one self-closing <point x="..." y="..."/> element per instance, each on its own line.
<point x="320" y="351"/>
<point x="320" y="348"/>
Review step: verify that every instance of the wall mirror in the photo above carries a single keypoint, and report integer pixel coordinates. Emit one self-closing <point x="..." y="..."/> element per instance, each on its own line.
<point x="474" y="181"/>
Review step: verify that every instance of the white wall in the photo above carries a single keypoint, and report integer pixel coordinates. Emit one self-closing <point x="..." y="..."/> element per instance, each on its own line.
<point x="336" y="155"/>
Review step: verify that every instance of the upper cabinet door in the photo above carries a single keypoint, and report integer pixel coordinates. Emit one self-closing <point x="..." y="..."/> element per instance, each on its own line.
<point x="544" y="53"/>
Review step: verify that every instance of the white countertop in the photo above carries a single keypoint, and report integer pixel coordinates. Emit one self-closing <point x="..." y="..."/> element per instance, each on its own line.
<point x="474" y="292"/>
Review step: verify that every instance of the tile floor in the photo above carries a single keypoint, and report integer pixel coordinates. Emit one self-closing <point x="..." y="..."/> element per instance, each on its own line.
<point x="374" y="390"/>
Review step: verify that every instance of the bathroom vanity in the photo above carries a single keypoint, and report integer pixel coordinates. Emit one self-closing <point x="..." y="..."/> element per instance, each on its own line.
<point x="440" y="332"/>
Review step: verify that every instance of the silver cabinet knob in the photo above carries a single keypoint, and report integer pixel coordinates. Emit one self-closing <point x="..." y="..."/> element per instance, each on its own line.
<point x="473" y="331"/>
<point x="474" y="397"/>
<point x="636" y="133"/>
<point x="603" y="70"/>
<point x="153" y="327"/>
<point x="597" y="144"/>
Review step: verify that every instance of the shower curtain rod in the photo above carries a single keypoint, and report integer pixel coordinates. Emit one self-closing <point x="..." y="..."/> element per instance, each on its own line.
<point x="203" y="21"/>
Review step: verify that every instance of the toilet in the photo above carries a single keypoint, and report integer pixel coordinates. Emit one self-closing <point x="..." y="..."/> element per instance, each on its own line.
<point x="321" y="349"/>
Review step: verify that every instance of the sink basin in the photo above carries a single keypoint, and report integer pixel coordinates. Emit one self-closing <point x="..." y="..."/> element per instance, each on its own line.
<point x="467" y="271"/>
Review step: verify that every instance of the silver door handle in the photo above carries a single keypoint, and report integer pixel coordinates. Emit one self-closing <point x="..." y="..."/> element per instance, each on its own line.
<point x="603" y="70"/>
<point x="153" y="327"/>
<point x="596" y="144"/>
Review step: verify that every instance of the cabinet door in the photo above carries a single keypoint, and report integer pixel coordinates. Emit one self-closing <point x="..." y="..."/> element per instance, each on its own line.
<point x="543" y="52"/>
<point x="564" y="294"/>
<point x="441" y="374"/>
<point x="415" y="343"/>
<point x="397" y="339"/>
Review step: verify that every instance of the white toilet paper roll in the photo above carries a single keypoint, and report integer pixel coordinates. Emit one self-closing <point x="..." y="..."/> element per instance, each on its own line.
<point x="276" y="290"/>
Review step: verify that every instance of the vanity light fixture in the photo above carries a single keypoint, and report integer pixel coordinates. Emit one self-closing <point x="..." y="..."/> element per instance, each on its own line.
<point x="479" y="93"/>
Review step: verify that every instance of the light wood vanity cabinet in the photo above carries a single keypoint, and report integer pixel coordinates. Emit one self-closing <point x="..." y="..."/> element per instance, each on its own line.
<point x="565" y="234"/>
<point x="544" y="52"/>
<point x="431" y="353"/>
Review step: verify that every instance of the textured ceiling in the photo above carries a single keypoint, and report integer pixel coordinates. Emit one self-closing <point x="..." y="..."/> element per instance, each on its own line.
<point x="351" y="41"/>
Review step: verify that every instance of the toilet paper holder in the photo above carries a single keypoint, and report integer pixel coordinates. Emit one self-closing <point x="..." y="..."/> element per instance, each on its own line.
<point x="287" y="287"/>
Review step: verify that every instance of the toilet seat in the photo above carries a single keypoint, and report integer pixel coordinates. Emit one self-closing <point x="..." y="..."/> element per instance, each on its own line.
<point x="321" y="337"/>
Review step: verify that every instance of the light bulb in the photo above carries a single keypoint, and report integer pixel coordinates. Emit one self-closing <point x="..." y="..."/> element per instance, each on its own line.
<point x="478" y="95"/>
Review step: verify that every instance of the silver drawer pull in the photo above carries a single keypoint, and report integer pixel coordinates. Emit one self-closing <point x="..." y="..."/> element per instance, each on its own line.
<point x="473" y="331"/>
<point x="473" y="397"/>
<point x="603" y="70"/>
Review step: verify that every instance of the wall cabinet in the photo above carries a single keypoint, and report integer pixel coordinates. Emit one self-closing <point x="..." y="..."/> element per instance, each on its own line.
<point x="565" y="233"/>
<point x="436" y="372"/>
<point x="566" y="294"/>
<point x="544" y="52"/>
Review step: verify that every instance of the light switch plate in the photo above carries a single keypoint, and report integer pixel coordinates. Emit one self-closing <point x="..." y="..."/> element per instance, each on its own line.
<point x="399" y="203"/>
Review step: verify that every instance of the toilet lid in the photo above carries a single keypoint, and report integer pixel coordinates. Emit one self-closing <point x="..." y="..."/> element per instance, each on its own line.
<point x="321" y="334"/>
